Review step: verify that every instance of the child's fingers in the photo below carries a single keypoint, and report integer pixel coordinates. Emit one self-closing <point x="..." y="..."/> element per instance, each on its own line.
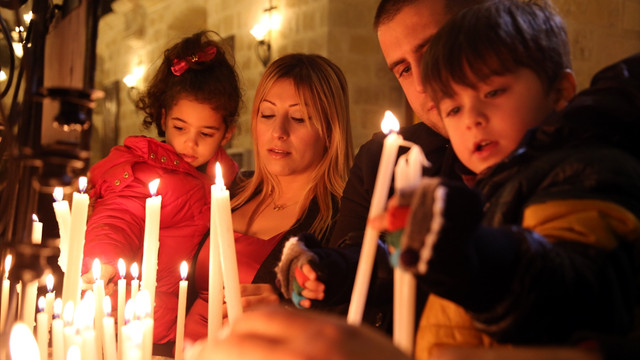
<point x="313" y="290"/>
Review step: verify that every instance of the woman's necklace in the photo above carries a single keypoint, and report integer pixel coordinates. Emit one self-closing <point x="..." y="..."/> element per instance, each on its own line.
<point x="279" y="207"/>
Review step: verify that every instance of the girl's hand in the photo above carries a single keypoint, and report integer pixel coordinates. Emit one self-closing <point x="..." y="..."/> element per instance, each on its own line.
<point x="253" y="295"/>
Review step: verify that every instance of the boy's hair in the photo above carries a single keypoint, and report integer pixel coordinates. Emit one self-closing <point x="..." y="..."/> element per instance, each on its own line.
<point x="388" y="9"/>
<point x="324" y="98"/>
<point x="496" y="38"/>
<point x="213" y="81"/>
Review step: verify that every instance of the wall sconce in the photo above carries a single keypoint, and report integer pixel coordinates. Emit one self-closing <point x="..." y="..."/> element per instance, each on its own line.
<point x="131" y="80"/>
<point x="262" y="33"/>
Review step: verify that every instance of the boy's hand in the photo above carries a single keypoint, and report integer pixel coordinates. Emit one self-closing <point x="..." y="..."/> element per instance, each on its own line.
<point x="311" y="287"/>
<point x="296" y="277"/>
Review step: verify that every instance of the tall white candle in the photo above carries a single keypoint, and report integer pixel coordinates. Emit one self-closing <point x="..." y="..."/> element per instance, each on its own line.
<point x="42" y="329"/>
<point x="408" y="173"/>
<point x="131" y="334"/>
<point x="57" y="326"/>
<point x="28" y="311"/>
<point x="224" y="230"/>
<point x="49" y="298"/>
<point x="182" y="308"/>
<point x="215" y="293"/>
<point x="74" y="353"/>
<point x="378" y="202"/>
<point x="36" y="230"/>
<point x="4" y="298"/>
<point x="22" y="344"/>
<point x="85" y="321"/>
<point x="79" y="210"/>
<point x="98" y="291"/>
<point x="151" y="241"/>
<point x="63" y="216"/>
<point x="122" y="293"/>
<point x="135" y="283"/>
<point x="108" y="327"/>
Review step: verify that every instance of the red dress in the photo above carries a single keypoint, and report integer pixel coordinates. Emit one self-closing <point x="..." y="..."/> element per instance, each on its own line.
<point x="250" y="252"/>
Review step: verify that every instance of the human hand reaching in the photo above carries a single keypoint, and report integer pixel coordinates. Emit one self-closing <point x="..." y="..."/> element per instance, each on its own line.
<point x="107" y="272"/>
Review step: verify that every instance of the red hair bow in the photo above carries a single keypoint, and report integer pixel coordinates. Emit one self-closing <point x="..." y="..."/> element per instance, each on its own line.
<point x="181" y="65"/>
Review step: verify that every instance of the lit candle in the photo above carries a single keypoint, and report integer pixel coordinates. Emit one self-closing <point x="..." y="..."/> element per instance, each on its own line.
<point x="79" y="209"/>
<point x="122" y="293"/>
<point x="182" y="308"/>
<point x="408" y="173"/>
<point x="131" y="334"/>
<point x="70" y="330"/>
<point x="57" y="326"/>
<point x="4" y="298"/>
<point x="135" y="283"/>
<point x="63" y="216"/>
<point x="216" y="295"/>
<point x="151" y="241"/>
<point x="74" y="353"/>
<point x="49" y="298"/>
<point x="143" y="311"/>
<point x="379" y="198"/>
<point x="22" y="344"/>
<point x="85" y="320"/>
<point x="108" y="327"/>
<point x="36" y="230"/>
<point x="224" y="231"/>
<point x="98" y="291"/>
<point x="42" y="329"/>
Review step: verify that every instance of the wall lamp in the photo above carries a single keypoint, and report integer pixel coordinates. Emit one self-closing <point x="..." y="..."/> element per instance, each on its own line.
<point x="262" y="33"/>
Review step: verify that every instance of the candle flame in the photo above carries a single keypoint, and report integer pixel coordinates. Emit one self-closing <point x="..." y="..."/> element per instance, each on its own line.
<point x="122" y="268"/>
<point x="49" y="282"/>
<point x="129" y="309"/>
<point x="153" y="187"/>
<point x="219" y="178"/>
<point x="134" y="270"/>
<point x="57" y="307"/>
<point x="106" y="305"/>
<point x="7" y="265"/>
<point x="86" y="312"/>
<point x="143" y="304"/>
<point x="67" y="313"/>
<point x="389" y="123"/>
<point x="96" y="268"/>
<point x="42" y="303"/>
<point x="34" y="217"/>
<point x="184" y="269"/>
<point x="22" y="344"/>
<point x="82" y="184"/>
<point x="73" y="353"/>
<point x="58" y="194"/>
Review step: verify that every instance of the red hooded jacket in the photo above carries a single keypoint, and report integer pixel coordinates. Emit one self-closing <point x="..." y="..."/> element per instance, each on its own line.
<point x="115" y="228"/>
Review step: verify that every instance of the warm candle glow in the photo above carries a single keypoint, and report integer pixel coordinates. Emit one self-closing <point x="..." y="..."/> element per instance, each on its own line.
<point x="142" y="304"/>
<point x="22" y="344"/>
<point x="135" y="271"/>
<point x="73" y="353"/>
<point x="87" y="310"/>
<point x="58" y="194"/>
<point x="184" y="269"/>
<point x="67" y="313"/>
<point x="7" y="265"/>
<point x="49" y="282"/>
<point x="153" y="187"/>
<point x="42" y="302"/>
<point x="106" y="305"/>
<point x="96" y="269"/>
<point x="389" y="123"/>
<point x="122" y="268"/>
<point x="57" y="308"/>
<point x="219" y="178"/>
<point x="34" y="217"/>
<point x="82" y="184"/>
<point x="129" y="311"/>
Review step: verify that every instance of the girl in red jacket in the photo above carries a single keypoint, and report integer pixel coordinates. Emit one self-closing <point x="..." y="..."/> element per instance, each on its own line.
<point x="193" y="102"/>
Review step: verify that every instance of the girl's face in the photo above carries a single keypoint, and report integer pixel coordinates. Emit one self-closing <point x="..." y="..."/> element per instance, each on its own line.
<point x="287" y="142"/>
<point x="195" y="130"/>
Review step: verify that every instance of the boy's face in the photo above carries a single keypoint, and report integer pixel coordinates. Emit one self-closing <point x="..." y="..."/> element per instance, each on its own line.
<point x="195" y="130"/>
<point x="487" y="123"/>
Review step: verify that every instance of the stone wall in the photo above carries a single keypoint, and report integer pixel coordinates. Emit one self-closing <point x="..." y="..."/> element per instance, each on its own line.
<point x="136" y="33"/>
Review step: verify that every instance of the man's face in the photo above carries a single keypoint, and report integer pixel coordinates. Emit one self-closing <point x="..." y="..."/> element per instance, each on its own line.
<point x="403" y="41"/>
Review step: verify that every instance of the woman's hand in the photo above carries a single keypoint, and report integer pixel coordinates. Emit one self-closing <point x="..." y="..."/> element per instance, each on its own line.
<point x="106" y="273"/>
<point x="253" y="295"/>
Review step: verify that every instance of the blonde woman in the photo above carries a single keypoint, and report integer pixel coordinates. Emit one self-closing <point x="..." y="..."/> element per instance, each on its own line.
<point x="303" y="152"/>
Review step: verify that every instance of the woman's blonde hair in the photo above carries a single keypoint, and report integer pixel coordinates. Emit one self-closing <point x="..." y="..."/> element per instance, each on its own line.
<point x="322" y="90"/>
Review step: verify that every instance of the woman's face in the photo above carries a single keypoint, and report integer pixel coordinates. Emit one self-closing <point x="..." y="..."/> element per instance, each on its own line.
<point x="286" y="140"/>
